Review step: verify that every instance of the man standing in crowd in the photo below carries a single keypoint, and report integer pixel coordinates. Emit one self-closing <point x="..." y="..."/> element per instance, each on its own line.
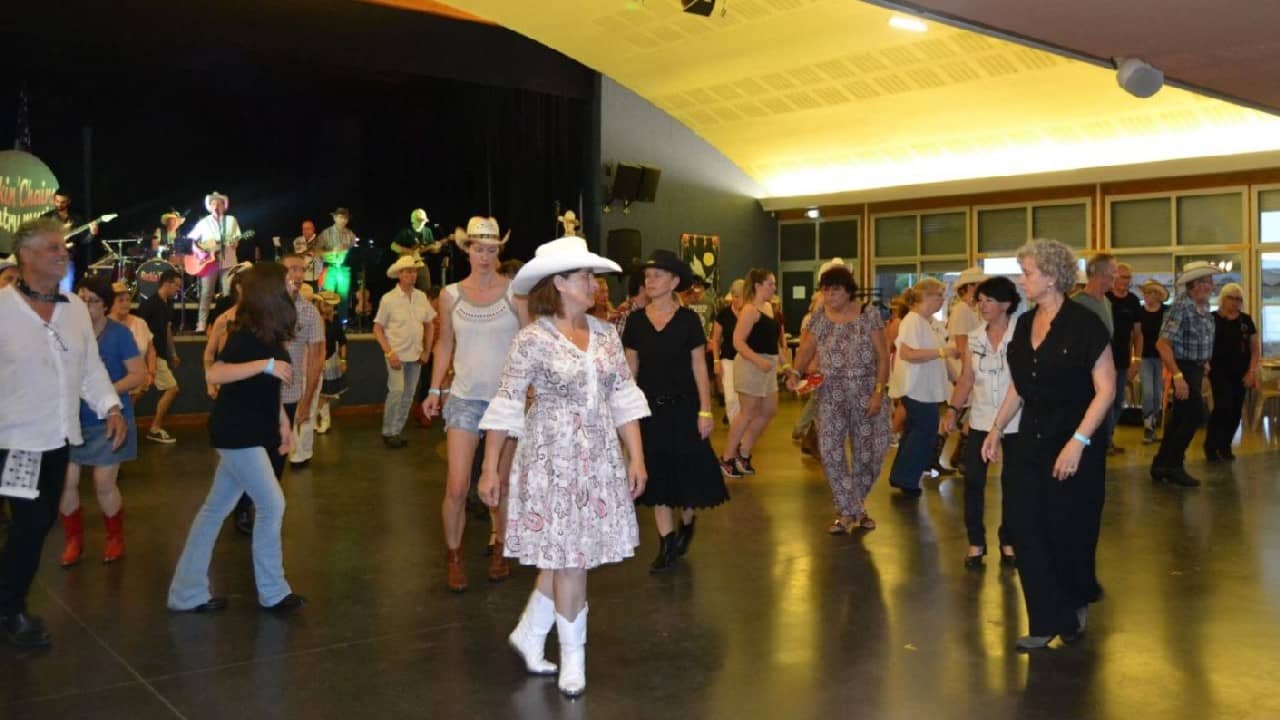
<point x="1126" y="341"/>
<point x="1185" y="346"/>
<point x="306" y="355"/>
<point x="157" y="311"/>
<point x="1100" y="278"/>
<point x="84" y="246"/>
<point x="48" y="362"/>
<point x="214" y="241"/>
<point x="335" y="242"/>
<point x="404" y="331"/>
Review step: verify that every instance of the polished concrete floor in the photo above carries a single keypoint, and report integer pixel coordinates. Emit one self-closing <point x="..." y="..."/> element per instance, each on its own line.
<point x="769" y="617"/>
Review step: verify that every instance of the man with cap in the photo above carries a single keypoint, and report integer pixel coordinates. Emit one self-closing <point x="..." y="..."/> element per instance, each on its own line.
<point x="334" y="244"/>
<point x="1185" y="346"/>
<point x="1150" y="320"/>
<point x="404" y="331"/>
<point x="214" y="241"/>
<point x="165" y="238"/>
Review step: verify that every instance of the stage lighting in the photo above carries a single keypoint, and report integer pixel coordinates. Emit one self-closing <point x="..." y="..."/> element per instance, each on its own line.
<point x="1138" y="78"/>
<point x="699" y="7"/>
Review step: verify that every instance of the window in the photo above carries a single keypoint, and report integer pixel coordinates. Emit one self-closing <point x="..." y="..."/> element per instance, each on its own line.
<point x="896" y="236"/>
<point x="943" y="234"/>
<point x="1141" y="223"/>
<point x="1211" y="219"/>
<point x="909" y="246"/>
<point x="795" y="241"/>
<point x="1002" y="229"/>
<point x="838" y="239"/>
<point x="1269" y="313"/>
<point x="1269" y="216"/>
<point x="1068" y="224"/>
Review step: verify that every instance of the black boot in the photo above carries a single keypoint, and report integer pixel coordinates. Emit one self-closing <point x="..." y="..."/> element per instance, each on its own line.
<point x="684" y="537"/>
<point x="666" y="553"/>
<point x="244" y="515"/>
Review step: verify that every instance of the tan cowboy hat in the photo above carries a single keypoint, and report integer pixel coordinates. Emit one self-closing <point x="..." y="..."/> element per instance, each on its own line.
<point x="1153" y="285"/>
<point x="837" y="262"/>
<point x="970" y="276"/>
<point x="1195" y="271"/>
<point x="330" y="297"/>
<point x="215" y="195"/>
<point x="164" y="218"/>
<point x="406" y="262"/>
<point x="561" y="255"/>
<point x="482" y="230"/>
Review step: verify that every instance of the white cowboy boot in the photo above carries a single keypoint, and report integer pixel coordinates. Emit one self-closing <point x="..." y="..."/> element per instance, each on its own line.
<point x="322" y="419"/>
<point x="573" y="653"/>
<point x="529" y="639"/>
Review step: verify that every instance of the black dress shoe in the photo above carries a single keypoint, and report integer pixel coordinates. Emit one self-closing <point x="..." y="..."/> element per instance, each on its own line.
<point x="1227" y="454"/>
<point x="24" y="631"/>
<point x="212" y="605"/>
<point x="300" y="464"/>
<point x="684" y="537"/>
<point x="395" y="442"/>
<point x="288" y="603"/>
<point x="244" y="521"/>
<point x="1008" y="560"/>
<point x="667" y="553"/>
<point x="1179" y="476"/>
<point x="973" y="562"/>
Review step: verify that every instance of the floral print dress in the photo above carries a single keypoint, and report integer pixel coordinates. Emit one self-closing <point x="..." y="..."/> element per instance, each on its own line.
<point x="568" y="501"/>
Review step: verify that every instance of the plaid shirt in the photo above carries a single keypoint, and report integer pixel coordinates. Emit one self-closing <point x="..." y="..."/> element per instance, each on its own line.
<point x="309" y="330"/>
<point x="1189" y="328"/>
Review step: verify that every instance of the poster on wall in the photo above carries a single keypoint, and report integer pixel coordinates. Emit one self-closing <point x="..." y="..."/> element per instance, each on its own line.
<point x="702" y="252"/>
<point x="26" y="191"/>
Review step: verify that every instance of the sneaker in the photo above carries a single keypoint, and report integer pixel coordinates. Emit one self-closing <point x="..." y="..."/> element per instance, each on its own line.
<point x="161" y="436"/>
<point x="744" y="465"/>
<point x="729" y="468"/>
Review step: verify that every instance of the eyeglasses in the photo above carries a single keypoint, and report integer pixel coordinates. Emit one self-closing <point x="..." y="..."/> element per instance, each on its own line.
<point x="989" y="361"/>
<point x="62" y="346"/>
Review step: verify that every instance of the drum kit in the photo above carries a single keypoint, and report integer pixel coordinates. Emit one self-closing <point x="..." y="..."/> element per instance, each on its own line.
<point x="138" y="265"/>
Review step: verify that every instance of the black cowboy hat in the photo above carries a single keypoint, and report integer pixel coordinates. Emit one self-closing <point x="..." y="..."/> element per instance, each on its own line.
<point x="669" y="261"/>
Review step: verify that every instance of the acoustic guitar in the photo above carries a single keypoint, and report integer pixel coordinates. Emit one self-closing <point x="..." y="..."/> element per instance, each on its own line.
<point x="205" y="253"/>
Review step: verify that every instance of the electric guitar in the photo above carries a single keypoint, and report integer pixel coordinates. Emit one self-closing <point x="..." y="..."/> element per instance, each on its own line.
<point x="76" y="231"/>
<point x="205" y="253"/>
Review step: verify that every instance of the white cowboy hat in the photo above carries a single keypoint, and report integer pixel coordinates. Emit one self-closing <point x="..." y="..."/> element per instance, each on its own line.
<point x="971" y="276"/>
<point x="8" y="262"/>
<point x="1153" y="285"/>
<point x="1081" y="277"/>
<point x="1195" y="271"/>
<point x="239" y="267"/>
<point x="482" y="230"/>
<point x="215" y="195"/>
<point x="406" y="262"/>
<point x="558" y="256"/>
<point x="837" y="262"/>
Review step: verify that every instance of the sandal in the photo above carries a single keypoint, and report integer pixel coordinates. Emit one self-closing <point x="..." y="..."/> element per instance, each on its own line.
<point x="865" y="522"/>
<point x="840" y="527"/>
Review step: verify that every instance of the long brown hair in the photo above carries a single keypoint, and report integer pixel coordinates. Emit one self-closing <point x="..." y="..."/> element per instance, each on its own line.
<point x="265" y="308"/>
<point x="755" y="276"/>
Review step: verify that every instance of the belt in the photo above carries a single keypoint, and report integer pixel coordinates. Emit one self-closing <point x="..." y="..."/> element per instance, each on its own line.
<point x="668" y="399"/>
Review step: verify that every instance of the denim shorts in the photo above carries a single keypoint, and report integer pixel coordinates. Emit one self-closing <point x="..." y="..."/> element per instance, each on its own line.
<point x="463" y="414"/>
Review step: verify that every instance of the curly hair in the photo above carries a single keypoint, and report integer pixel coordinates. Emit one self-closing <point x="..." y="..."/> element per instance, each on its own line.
<point x="1054" y="260"/>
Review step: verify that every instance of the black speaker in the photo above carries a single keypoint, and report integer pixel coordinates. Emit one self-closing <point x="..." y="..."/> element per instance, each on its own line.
<point x="699" y="7"/>
<point x="648" y="184"/>
<point x="626" y="182"/>
<point x="623" y="247"/>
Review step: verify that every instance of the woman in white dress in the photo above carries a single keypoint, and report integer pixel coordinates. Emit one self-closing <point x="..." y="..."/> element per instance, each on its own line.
<point x="571" y="494"/>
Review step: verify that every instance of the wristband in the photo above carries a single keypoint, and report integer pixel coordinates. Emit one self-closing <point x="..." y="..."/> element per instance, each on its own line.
<point x="1083" y="440"/>
<point x="1177" y="376"/>
<point x="388" y="354"/>
<point x="433" y="391"/>
<point x="705" y="414"/>
<point x="942" y="354"/>
<point x="270" y="368"/>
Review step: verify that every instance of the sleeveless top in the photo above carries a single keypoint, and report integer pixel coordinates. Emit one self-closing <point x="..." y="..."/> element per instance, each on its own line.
<point x="482" y="335"/>
<point x="763" y="336"/>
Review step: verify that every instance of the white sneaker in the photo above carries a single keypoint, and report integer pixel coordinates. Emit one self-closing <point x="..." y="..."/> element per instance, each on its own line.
<point x="161" y="436"/>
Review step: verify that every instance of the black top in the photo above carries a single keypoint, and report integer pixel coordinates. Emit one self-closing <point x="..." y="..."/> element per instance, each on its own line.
<point x="1055" y="380"/>
<point x="666" y="363"/>
<point x="1151" y="324"/>
<point x="728" y="321"/>
<point x="221" y="305"/>
<point x="246" y="413"/>
<point x="1232" y="341"/>
<point x="158" y="315"/>
<point x="1125" y="312"/>
<point x="334" y="336"/>
<point x="763" y="337"/>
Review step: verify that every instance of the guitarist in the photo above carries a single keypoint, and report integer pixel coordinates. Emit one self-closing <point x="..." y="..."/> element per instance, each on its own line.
<point x="213" y="248"/>
<point x="334" y="244"/>
<point x="85" y="249"/>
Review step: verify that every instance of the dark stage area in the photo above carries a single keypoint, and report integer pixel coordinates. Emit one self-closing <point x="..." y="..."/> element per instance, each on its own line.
<point x="767" y="617"/>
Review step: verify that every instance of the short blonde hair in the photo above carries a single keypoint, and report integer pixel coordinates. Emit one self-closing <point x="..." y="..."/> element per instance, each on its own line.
<point x="1053" y="259"/>
<point x="735" y="289"/>
<point x="925" y="286"/>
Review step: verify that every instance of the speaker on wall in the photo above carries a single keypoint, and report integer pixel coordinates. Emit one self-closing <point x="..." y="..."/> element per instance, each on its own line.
<point x="626" y="182"/>
<point x="649" y="177"/>
<point x="623" y="247"/>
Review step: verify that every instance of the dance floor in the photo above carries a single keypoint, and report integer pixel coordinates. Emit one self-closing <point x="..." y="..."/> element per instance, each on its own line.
<point x="768" y="616"/>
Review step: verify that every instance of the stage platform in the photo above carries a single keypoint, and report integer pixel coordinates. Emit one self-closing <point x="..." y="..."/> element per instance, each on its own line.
<point x="767" y="617"/>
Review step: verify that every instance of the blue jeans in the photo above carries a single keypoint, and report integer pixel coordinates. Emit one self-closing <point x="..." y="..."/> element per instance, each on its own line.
<point x="246" y="470"/>
<point x="916" y="444"/>
<point x="1152" y="386"/>
<point x="400" y="387"/>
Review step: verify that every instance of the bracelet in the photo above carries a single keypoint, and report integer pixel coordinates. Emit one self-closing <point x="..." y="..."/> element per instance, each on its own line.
<point x="1177" y="376"/>
<point x="433" y="391"/>
<point x="270" y="367"/>
<point x="705" y="414"/>
<point x="955" y="409"/>
<point x="942" y="354"/>
<point x="388" y="354"/>
<point x="1083" y="440"/>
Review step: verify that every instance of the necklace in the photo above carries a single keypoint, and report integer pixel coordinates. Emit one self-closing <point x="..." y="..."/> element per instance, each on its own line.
<point x="53" y="297"/>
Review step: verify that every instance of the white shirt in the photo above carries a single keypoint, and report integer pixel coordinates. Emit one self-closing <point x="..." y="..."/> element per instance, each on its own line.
<point x="208" y="229"/>
<point x="922" y="382"/>
<point x="991" y="378"/>
<point x="142" y="336"/>
<point x="402" y="318"/>
<point x="45" y="369"/>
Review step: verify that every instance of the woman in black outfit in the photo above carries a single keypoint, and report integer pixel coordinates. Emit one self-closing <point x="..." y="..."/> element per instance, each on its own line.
<point x="665" y="347"/>
<point x="1064" y="382"/>
<point x="1151" y="375"/>
<point x="1233" y="369"/>
<point x="248" y="426"/>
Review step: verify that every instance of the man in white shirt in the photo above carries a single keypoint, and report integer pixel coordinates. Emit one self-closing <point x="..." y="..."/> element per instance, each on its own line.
<point x="48" y="362"/>
<point x="214" y="241"/>
<point x="403" y="329"/>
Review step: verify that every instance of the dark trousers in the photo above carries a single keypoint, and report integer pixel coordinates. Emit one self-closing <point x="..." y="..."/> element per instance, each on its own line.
<point x="975" y="485"/>
<point x="244" y="504"/>
<point x="1228" y="401"/>
<point x="32" y="520"/>
<point x="1185" y="417"/>
<point x="1055" y="527"/>
<point x="916" y="446"/>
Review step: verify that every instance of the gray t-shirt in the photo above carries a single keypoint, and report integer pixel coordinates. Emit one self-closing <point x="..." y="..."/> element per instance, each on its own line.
<point x="1101" y="308"/>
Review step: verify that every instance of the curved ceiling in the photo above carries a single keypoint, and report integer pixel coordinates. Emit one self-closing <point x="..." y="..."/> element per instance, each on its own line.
<point x="814" y="97"/>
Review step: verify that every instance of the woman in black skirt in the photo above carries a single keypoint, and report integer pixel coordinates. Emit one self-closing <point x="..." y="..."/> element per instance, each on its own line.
<point x="665" y="347"/>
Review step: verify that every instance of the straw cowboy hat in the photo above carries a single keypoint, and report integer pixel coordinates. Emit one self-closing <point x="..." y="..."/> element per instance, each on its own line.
<point x="559" y="256"/>
<point x="970" y="276"/>
<point x="406" y="262"/>
<point x="1195" y="271"/>
<point x="482" y="230"/>
<point x="834" y="263"/>
<point x="171" y="214"/>
<point x="215" y="195"/>
<point x="1153" y="285"/>
<point x="8" y="262"/>
<point x="330" y="297"/>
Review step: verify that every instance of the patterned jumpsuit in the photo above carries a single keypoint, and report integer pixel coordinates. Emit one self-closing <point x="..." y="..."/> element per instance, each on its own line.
<point x="848" y="361"/>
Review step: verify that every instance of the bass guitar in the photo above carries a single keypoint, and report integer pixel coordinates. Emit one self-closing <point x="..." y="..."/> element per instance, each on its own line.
<point x="77" y="230"/>
<point x="205" y="253"/>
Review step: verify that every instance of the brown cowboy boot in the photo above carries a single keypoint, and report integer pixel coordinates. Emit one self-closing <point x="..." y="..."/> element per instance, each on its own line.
<point x="455" y="578"/>
<point x="499" y="568"/>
